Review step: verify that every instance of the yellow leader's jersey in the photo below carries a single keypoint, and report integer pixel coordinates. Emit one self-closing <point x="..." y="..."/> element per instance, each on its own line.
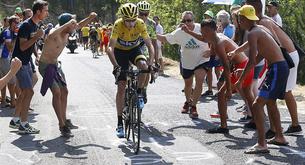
<point x="128" y="38"/>
<point x="85" y="31"/>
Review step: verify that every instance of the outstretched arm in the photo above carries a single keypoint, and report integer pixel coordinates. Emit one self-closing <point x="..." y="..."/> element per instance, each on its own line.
<point x="15" y="66"/>
<point x="239" y="50"/>
<point x="195" y="35"/>
<point x="252" y="39"/>
<point x="162" y="38"/>
<point x="220" y="51"/>
<point x="87" y="20"/>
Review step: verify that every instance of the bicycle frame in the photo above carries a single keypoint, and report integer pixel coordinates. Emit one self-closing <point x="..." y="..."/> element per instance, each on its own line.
<point x="132" y="112"/>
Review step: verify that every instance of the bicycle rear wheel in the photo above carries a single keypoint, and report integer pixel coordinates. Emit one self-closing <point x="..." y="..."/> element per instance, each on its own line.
<point x="136" y="121"/>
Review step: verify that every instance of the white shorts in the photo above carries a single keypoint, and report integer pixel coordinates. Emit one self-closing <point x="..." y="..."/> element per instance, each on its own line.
<point x="293" y="72"/>
<point x="160" y="52"/>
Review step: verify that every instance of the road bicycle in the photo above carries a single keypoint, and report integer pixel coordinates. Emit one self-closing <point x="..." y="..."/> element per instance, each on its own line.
<point x="134" y="103"/>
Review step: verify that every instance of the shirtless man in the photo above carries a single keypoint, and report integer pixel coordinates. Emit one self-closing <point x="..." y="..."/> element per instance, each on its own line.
<point x="53" y="77"/>
<point x="262" y="45"/>
<point x="221" y="44"/>
<point x="285" y="42"/>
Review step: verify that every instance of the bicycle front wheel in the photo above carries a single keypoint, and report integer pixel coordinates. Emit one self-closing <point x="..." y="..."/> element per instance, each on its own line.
<point x="135" y="126"/>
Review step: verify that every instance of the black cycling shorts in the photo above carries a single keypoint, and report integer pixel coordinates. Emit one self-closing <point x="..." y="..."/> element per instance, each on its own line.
<point x="124" y="57"/>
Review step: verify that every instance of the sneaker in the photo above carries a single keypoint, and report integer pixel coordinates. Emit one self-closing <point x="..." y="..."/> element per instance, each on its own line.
<point x="293" y="130"/>
<point x="193" y="112"/>
<point x="65" y="131"/>
<point x="8" y="99"/>
<point x="27" y="129"/>
<point x="120" y="132"/>
<point x="141" y="102"/>
<point x="14" y="125"/>
<point x="5" y="105"/>
<point x="69" y="124"/>
<point x="218" y="130"/>
<point x="242" y="108"/>
<point x="207" y="93"/>
<point x="244" y="119"/>
<point x="269" y="134"/>
<point x="185" y="108"/>
<point x="250" y="125"/>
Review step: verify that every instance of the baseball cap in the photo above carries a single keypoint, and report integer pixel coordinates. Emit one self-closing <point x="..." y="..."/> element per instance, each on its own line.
<point x="18" y="10"/>
<point x="209" y="13"/>
<point x="64" y="18"/>
<point x="273" y="3"/>
<point x="249" y="12"/>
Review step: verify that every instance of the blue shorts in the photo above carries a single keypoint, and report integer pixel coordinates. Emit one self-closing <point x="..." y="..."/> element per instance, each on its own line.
<point x="274" y="85"/>
<point x="187" y="73"/>
<point x="214" y="62"/>
<point x="257" y="71"/>
<point x="24" y="77"/>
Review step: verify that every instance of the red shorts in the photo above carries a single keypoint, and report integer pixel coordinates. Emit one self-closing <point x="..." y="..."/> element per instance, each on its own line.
<point x="247" y="80"/>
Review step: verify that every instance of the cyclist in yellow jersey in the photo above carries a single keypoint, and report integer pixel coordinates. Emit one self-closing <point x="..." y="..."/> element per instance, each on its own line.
<point x="123" y="49"/>
<point x="85" y="33"/>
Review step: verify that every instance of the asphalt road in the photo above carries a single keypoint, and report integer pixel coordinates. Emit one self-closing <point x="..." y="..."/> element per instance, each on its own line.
<point x="168" y="137"/>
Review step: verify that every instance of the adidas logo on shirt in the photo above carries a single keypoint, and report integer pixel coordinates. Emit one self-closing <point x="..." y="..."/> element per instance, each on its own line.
<point x="191" y="44"/>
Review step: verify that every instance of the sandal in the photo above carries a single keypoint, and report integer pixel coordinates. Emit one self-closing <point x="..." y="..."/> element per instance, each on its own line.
<point x="256" y="149"/>
<point x="273" y="141"/>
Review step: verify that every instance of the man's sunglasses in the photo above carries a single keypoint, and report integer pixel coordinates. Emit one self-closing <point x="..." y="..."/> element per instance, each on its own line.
<point x="186" y="20"/>
<point x="143" y="14"/>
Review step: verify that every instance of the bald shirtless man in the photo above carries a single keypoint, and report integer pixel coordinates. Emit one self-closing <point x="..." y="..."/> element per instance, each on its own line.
<point x="221" y="44"/>
<point x="49" y="68"/>
<point x="262" y="45"/>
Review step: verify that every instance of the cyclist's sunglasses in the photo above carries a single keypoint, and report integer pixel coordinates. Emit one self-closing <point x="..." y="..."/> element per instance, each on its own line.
<point x="143" y="14"/>
<point x="187" y="20"/>
<point x="130" y="20"/>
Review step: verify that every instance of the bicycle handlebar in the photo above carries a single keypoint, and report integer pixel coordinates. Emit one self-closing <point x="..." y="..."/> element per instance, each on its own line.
<point x="134" y="73"/>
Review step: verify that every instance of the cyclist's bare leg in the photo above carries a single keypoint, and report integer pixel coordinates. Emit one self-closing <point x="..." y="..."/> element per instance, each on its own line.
<point x="120" y="97"/>
<point x="141" y="64"/>
<point x="188" y="83"/>
<point x="199" y="78"/>
<point x="147" y="79"/>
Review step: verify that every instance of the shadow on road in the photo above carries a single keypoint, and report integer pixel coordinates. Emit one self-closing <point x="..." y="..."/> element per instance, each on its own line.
<point x="145" y="156"/>
<point x="58" y="146"/>
<point x="199" y="124"/>
<point x="149" y="134"/>
<point x="209" y="99"/>
<point x="9" y="112"/>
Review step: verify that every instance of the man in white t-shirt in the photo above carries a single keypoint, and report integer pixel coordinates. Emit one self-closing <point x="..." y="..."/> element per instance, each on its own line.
<point x="272" y="9"/>
<point x="193" y="62"/>
<point x="159" y="30"/>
